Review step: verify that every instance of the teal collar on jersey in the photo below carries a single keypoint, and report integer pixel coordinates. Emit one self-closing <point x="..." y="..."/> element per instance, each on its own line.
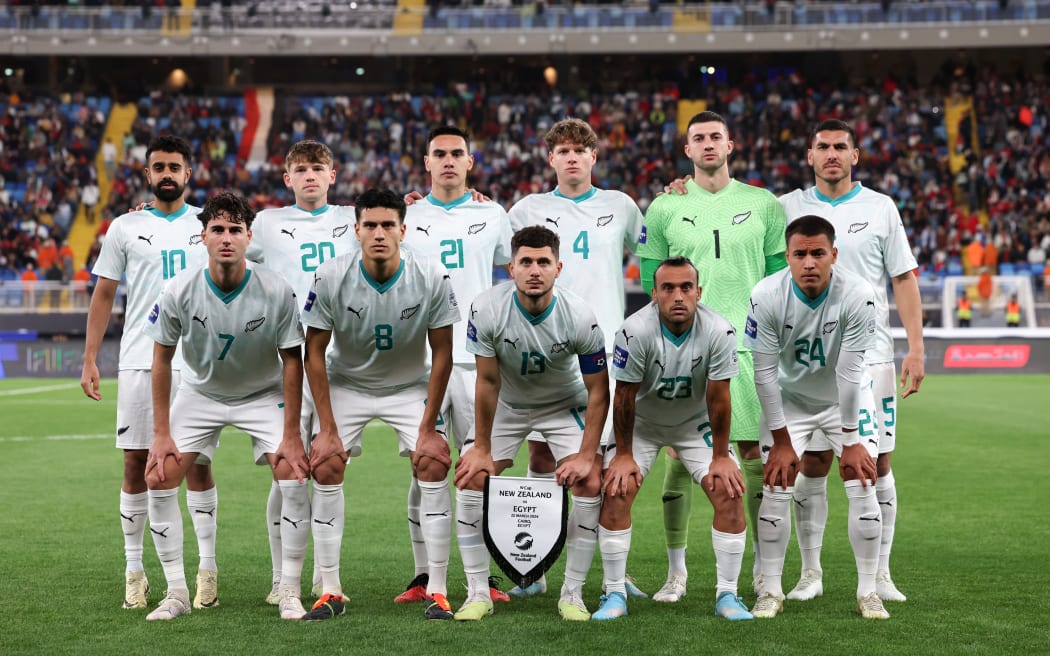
<point x="677" y="340"/>
<point x="168" y="217"/>
<point x="450" y="205"/>
<point x="813" y="303"/>
<point x="579" y="199"/>
<point x="225" y="297"/>
<point x="317" y="212"/>
<point x="534" y="319"/>
<point x="841" y="199"/>
<point x="382" y="287"/>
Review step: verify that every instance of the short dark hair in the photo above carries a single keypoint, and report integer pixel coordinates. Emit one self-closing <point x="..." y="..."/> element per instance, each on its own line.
<point x="810" y="225"/>
<point x="676" y="262"/>
<point x="447" y="130"/>
<point x="380" y="198"/>
<point x="535" y="236"/>
<point x="834" y="125"/>
<point x="708" y="117"/>
<point x="169" y="143"/>
<point x="227" y="205"/>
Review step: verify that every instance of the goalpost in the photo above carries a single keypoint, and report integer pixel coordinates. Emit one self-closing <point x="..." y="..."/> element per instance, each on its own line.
<point x="990" y="312"/>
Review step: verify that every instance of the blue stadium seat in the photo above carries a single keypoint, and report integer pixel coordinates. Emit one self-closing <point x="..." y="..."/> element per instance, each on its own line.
<point x="955" y="267"/>
<point x="1007" y="269"/>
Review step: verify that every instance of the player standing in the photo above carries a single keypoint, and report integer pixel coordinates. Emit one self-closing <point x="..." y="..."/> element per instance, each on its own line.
<point x="541" y="367"/>
<point x="734" y="234"/>
<point x="150" y="246"/>
<point x="673" y="361"/>
<point x="294" y="241"/>
<point x="808" y="329"/>
<point x="380" y="311"/>
<point x="872" y="243"/>
<point x="600" y="224"/>
<point x="241" y="337"/>
<point x="468" y="237"/>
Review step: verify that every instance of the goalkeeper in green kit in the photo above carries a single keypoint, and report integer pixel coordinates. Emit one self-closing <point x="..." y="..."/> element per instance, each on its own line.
<point x="734" y="235"/>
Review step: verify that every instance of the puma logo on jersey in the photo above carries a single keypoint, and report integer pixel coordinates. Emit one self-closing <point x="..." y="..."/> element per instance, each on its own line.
<point x="829" y="327"/>
<point x="290" y="233"/>
<point x="697" y="361"/>
<point x="476" y="228"/>
<point x="512" y="342"/>
<point x="339" y="231"/>
<point x="789" y="326"/>
<point x="200" y="321"/>
<point x="473" y="312"/>
<point x="594" y="327"/>
<point x="605" y="220"/>
<point x="626" y="338"/>
<point x="857" y="227"/>
<point x="691" y="222"/>
<point x="754" y="306"/>
<point x="659" y="364"/>
<point x="554" y="221"/>
<point x="356" y="312"/>
<point x="558" y="347"/>
<point x="740" y="218"/>
<point x="408" y="313"/>
<point x="148" y="240"/>
<point x="425" y="231"/>
<point x="253" y="324"/>
<point x="195" y="239"/>
<point x="871" y="303"/>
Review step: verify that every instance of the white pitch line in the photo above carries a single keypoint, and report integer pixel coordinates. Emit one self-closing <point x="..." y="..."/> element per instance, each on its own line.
<point x="35" y="390"/>
<point x="27" y="438"/>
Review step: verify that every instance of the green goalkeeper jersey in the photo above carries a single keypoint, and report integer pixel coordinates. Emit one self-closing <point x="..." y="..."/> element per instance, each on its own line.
<point x="734" y="238"/>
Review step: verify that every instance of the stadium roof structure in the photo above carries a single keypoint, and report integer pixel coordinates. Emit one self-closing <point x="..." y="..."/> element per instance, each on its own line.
<point x="380" y="28"/>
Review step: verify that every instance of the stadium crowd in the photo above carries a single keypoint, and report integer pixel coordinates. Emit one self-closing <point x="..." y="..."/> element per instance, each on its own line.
<point x="1000" y="198"/>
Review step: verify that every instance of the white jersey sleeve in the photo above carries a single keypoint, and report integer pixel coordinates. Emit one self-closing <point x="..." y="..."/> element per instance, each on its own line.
<point x="230" y="339"/>
<point x="594" y="229"/>
<point x="148" y="247"/>
<point x="468" y="238"/>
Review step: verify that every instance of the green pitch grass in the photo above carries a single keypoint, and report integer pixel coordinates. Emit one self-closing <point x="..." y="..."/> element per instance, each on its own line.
<point x="970" y="552"/>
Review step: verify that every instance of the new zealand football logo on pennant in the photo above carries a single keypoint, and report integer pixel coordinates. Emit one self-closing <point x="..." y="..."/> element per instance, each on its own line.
<point x="524" y="524"/>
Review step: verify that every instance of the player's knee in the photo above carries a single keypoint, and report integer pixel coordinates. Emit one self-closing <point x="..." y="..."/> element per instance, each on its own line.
<point x="135" y="467"/>
<point x="616" y="510"/>
<point x="329" y="472"/>
<point x="476" y="483"/>
<point x="541" y="460"/>
<point x="199" y="478"/>
<point x="430" y="470"/>
<point x="728" y="509"/>
<point x="882" y="464"/>
<point x="816" y="464"/>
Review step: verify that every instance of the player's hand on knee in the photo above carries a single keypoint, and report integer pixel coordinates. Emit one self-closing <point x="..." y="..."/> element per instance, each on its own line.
<point x="431" y="444"/>
<point x="724" y="472"/>
<point x="162" y="448"/>
<point x="623" y="477"/>
<point x="781" y="467"/>
<point x="471" y="464"/>
<point x="856" y="464"/>
<point x="291" y="451"/>
<point x="574" y="469"/>
<point x="324" y="446"/>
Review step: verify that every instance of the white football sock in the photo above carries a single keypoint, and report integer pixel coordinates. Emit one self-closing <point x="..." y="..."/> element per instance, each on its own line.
<point x="886" y="494"/>
<point x="545" y="475"/>
<point x="614" y="546"/>
<point x="165" y="525"/>
<point x="435" y="509"/>
<point x="811" y="516"/>
<point x="774" y="530"/>
<point x="204" y="511"/>
<point x="729" y="556"/>
<point x="415" y="528"/>
<point x="329" y="507"/>
<point x="676" y="562"/>
<point x="273" y="528"/>
<point x="581" y="540"/>
<point x="295" y="531"/>
<point x="472" y="550"/>
<point x="134" y="511"/>
<point x="864" y="526"/>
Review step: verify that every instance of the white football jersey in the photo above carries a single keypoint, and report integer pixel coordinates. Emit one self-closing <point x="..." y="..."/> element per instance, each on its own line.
<point x="673" y="370"/>
<point x="149" y="247"/>
<point x="540" y="357"/>
<point x="379" y="330"/>
<point x="807" y="334"/>
<point x="872" y="243"/>
<point x="468" y="238"/>
<point x="594" y="230"/>
<point x="229" y="340"/>
<point x="294" y="242"/>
